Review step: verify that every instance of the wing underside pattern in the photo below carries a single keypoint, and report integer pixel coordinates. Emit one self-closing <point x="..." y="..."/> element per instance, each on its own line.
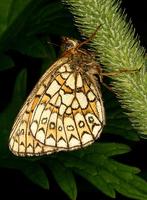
<point x="65" y="112"/>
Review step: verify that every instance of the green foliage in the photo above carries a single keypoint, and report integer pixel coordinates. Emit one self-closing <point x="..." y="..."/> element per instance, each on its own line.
<point x="64" y="177"/>
<point x="95" y="165"/>
<point x="36" y="174"/>
<point x="5" y="62"/>
<point x="28" y="30"/>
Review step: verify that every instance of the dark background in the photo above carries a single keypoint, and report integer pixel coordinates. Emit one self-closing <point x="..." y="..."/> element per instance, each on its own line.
<point x="13" y="182"/>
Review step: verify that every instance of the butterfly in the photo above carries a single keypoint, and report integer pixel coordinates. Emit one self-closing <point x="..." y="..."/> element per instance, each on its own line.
<point x="65" y="110"/>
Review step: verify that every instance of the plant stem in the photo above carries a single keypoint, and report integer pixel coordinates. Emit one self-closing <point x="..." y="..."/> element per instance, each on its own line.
<point x="118" y="49"/>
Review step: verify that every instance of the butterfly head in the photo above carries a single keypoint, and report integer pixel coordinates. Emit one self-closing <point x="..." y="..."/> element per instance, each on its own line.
<point x="72" y="46"/>
<point x="68" y="44"/>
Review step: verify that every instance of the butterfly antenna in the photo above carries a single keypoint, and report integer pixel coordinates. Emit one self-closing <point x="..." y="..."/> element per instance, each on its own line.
<point x="88" y="39"/>
<point x="48" y="42"/>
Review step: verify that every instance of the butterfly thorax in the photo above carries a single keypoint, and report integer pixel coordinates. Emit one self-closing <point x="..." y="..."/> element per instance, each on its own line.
<point x="79" y="59"/>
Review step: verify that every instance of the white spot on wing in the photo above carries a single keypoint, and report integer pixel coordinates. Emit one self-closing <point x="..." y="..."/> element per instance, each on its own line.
<point x="75" y="104"/>
<point x="38" y="149"/>
<point x="82" y="99"/>
<point x="71" y="82"/>
<point x="61" y="92"/>
<point x="62" y="69"/>
<point x="38" y="112"/>
<point x="91" y="96"/>
<point x="61" y="143"/>
<point x="29" y="149"/>
<point x="15" y="146"/>
<point x="68" y="111"/>
<point x="21" y="148"/>
<point x="40" y="136"/>
<point x="74" y="142"/>
<point x="54" y="99"/>
<point x="67" y="99"/>
<point x="79" y="81"/>
<point x="33" y="128"/>
<point x="62" y="109"/>
<point x="79" y="117"/>
<point x="86" y="138"/>
<point x="50" y="141"/>
<point x="65" y="75"/>
<point x="96" y="130"/>
<point x="53" y="88"/>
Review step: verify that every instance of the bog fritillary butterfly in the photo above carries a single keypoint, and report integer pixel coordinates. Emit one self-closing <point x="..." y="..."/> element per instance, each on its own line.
<point x="65" y="109"/>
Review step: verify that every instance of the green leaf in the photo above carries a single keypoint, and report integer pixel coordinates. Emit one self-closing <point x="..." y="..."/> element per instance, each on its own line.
<point x="71" y="161"/>
<point x="51" y="56"/>
<point x="20" y="89"/>
<point x="98" y="181"/>
<point x="18" y="21"/>
<point x="103" y="172"/>
<point x="64" y="178"/>
<point x="107" y="149"/>
<point x="32" y="170"/>
<point x="36" y="174"/>
<point x="49" y="19"/>
<point x="12" y="19"/>
<point x="30" y="46"/>
<point x="134" y="188"/>
<point x="118" y="177"/>
<point x="5" y="62"/>
<point x="9" y="11"/>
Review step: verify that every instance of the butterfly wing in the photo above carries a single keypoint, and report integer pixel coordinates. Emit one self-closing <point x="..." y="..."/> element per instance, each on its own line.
<point x="64" y="112"/>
